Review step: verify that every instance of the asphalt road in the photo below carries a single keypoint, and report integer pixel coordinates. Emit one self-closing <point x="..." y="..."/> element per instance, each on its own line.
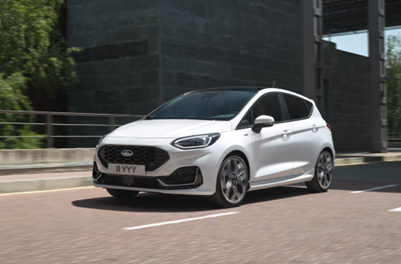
<point x="278" y="225"/>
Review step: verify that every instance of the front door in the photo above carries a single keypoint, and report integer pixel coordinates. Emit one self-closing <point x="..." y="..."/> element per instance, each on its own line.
<point x="273" y="147"/>
<point x="273" y="152"/>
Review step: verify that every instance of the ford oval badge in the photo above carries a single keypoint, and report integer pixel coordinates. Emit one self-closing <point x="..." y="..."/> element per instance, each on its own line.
<point x="127" y="153"/>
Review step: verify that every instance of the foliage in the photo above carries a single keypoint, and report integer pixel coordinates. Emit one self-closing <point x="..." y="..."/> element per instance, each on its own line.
<point x="31" y="42"/>
<point x="11" y="97"/>
<point x="33" y="54"/>
<point x="393" y="71"/>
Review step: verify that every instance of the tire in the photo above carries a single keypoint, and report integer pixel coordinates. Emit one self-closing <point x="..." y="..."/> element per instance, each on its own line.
<point x="323" y="173"/>
<point x="122" y="194"/>
<point x="232" y="182"/>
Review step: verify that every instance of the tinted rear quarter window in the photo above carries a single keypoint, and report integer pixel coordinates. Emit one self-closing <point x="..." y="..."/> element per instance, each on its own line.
<point x="309" y="105"/>
<point x="296" y="107"/>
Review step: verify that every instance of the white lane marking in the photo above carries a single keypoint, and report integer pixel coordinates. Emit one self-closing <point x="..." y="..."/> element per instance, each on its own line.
<point x="395" y="210"/>
<point x="377" y="188"/>
<point x="179" y="221"/>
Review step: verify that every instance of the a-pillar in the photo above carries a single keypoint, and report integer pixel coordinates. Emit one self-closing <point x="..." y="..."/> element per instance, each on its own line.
<point x="378" y="108"/>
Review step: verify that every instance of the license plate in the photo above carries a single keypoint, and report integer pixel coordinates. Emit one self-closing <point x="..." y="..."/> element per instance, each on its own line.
<point x="127" y="169"/>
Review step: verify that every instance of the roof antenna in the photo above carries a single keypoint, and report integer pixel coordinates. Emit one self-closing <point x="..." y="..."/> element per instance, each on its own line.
<point x="274" y="84"/>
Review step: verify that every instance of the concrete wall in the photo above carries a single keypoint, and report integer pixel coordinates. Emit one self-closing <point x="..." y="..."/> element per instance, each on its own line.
<point x="347" y="99"/>
<point x="44" y="156"/>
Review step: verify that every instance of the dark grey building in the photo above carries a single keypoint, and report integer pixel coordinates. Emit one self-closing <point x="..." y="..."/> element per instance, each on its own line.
<point x="141" y="53"/>
<point x="138" y="54"/>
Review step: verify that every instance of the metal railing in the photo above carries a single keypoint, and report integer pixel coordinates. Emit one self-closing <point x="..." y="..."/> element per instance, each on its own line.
<point x="394" y="134"/>
<point x="49" y="123"/>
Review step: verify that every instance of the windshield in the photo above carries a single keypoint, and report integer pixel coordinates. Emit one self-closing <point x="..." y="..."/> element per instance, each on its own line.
<point x="210" y="105"/>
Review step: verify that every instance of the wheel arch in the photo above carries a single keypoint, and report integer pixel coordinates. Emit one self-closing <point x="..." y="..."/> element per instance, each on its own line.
<point x="329" y="150"/>
<point x="242" y="155"/>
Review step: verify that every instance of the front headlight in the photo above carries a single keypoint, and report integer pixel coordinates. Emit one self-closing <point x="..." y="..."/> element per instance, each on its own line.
<point x="101" y="138"/>
<point x="193" y="142"/>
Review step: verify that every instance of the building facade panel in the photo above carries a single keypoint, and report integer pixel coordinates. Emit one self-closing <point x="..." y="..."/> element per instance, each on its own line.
<point x="224" y="43"/>
<point x="138" y="54"/>
<point x="347" y="87"/>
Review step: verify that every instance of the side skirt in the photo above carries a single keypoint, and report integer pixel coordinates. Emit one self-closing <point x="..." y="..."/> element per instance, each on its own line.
<point x="268" y="183"/>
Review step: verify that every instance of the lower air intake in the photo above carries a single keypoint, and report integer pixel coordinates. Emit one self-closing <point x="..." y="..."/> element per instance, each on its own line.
<point x="129" y="181"/>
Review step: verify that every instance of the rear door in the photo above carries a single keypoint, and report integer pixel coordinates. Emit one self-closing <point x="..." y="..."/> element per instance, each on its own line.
<point x="305" y="132"/>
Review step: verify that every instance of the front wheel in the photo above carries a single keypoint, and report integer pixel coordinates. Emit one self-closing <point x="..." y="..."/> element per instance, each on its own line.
<point x="323" y="173"/>
<point x="232" y="182"/>
<point x="122" y="194"/>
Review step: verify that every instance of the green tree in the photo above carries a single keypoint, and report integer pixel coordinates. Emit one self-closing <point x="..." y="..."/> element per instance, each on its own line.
<point x="393" y="71"/>
<point x="34" y="54"/>
<point x="31" y="42"/>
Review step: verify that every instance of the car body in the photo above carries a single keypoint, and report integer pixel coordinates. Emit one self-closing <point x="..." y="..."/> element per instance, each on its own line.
<point x="274" y="136"/>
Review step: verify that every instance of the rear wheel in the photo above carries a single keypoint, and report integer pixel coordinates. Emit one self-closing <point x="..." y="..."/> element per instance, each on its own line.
<point x="323" y="173"/>
<point x="122" y="194"/>
<point x="232" y="182"/>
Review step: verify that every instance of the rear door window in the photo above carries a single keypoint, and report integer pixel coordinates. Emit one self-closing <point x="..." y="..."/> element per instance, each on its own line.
<point x="296" y="106"/>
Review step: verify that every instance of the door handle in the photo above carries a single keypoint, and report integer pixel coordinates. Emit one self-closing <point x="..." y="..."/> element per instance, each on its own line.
<point x="285" y="132"/>
<point x="314" y="127"/>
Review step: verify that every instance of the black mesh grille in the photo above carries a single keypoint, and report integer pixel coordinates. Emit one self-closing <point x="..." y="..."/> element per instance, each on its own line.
<point x="151" y="157"/>
<point x="129" y="181"/>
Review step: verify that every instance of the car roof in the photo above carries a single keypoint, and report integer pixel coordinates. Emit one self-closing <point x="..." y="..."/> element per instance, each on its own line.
<point x="253" y="88"/>
<point x="240" y="88"/>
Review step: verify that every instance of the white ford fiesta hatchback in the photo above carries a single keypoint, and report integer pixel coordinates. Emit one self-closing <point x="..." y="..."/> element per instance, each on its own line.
<point x="219" y="142"/>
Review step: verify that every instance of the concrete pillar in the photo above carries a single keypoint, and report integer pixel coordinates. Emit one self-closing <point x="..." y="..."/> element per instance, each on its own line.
<point x="378" y="108"/>
<point x="311" y="49"/>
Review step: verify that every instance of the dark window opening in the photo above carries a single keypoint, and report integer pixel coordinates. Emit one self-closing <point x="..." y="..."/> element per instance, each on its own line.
<point x="267" y="105"/>
<point x="296" y="107"/>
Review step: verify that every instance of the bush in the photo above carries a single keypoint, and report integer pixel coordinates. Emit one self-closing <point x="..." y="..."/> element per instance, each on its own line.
<point x="12" y="98"/>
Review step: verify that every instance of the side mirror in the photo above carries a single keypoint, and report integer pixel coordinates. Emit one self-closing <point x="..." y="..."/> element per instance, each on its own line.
<point x="261" y="122"/>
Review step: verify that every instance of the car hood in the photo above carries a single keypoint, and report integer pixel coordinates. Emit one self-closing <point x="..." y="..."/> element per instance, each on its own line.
<point x="170" y="128"/>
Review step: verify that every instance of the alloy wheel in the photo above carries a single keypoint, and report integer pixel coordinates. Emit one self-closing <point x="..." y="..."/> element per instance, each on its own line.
<point x="234" y="180"/>
<point x="325" y="170"/>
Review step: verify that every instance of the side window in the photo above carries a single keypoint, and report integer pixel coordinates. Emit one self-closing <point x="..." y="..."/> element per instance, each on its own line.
<point x="268" y="105"/>
<point x="309" y="105"/>
<point x="296" y="107"/>
<point x="247" y="121"/>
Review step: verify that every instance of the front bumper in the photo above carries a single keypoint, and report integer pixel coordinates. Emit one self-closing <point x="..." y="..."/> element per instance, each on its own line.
<point x="206" y="159"/>
<point x="182" y="178"/>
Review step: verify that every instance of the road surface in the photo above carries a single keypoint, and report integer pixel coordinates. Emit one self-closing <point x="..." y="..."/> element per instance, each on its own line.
<point x="348" y="224"/>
